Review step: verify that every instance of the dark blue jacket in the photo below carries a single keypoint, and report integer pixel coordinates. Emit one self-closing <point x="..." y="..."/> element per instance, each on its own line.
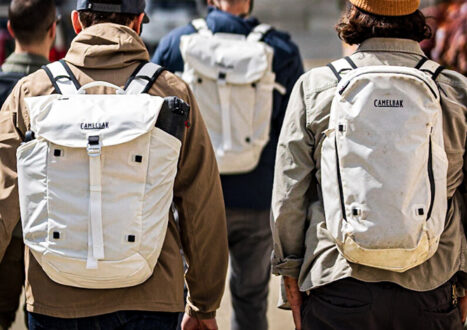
<point x="252" y="190"/>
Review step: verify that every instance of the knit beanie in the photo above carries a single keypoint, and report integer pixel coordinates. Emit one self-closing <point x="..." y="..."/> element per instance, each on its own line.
<point x="387" y="7"/>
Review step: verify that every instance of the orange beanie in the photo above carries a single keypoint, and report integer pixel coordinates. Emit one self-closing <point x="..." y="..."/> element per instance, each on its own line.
<point x="387" y="7"/>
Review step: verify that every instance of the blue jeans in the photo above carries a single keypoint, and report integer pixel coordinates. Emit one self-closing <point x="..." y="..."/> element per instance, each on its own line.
<point x="124" y="320"/>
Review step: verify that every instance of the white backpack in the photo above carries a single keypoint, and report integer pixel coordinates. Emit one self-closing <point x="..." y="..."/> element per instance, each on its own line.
<point x="383" y="165"/>
<point x="96" y="179"/>
<point x="231" y="76"/>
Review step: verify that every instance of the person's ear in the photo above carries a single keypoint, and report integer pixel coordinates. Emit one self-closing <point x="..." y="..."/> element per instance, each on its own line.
<point x="77" y="26"/>
<point x="53" y="31"/>
<point x="137" y="22"/>
<point x="10" y="30"/>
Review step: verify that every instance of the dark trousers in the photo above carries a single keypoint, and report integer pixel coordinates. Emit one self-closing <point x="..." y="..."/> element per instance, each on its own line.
<point x="250" y="245"/>
<point x="11" y="281"/>
<point x="352" y="304"/>
<point x="124" y="320"/>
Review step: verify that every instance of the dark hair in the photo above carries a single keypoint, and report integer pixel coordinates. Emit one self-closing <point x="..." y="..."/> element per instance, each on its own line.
<point x="356" y="25"/>
<point x="31" y="19"/>
<point x="89" y="18"/>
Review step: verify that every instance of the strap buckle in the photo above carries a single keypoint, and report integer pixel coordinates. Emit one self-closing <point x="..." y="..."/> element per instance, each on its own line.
<point x="94" y="147"/>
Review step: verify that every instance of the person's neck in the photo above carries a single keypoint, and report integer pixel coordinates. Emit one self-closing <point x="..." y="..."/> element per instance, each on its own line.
<point x="36" y="49"/>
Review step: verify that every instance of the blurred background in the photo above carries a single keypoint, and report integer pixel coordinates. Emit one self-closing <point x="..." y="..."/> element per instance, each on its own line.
<point x="310" y="22"/>
<point x="311" y="25"/>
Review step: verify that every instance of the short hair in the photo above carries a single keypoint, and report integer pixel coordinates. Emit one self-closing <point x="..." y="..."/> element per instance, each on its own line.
<point x="357" y="25"/>
<point x="30" y="20"/>
<point x="89" y="18"/>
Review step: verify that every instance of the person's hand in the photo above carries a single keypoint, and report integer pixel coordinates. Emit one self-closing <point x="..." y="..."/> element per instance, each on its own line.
<point x="463" y="308"/>
<point x="192" y="323"/>
<point x="294" y="296"/>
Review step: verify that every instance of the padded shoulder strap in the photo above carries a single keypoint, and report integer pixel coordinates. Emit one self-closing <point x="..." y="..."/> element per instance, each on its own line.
<point x="340" y="65"/>
<point x="143" y="78"/>
<point x="201" y="26"/>
<point x="431" y="67"/>
<point x="62" y="78"/>
<point x="259" y="32"/>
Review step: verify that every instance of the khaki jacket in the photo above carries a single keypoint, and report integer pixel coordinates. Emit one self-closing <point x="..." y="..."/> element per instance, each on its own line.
<point x="303" y="248"/>
<point x="111" y="52"/>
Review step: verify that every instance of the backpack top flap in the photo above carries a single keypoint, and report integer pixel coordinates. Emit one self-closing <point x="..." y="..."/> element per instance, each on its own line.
<point x="70" y="120"/>
<point x="227" y="57"/>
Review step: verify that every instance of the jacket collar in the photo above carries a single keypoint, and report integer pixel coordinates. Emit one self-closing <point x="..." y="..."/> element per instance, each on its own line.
<point x="106" y="46"/>
<point x="26" y="62"/>
<point x="226" y="22"/>
<point x="391" y="45"/>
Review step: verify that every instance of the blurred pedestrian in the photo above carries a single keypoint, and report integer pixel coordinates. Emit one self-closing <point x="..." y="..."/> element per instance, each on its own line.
<point x="32" y="23"/>
<point x="242" y="73"/>
<point x="80" y="290"/>
<point x="369" y="188"/>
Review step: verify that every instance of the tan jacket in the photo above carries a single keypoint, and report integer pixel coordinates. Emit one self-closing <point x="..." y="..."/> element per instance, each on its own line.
<point x="303" y="246"/>
<point x="111" y="52"/>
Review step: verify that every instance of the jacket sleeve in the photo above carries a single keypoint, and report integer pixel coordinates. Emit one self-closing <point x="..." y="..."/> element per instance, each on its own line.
<point x="10" y="139"/>
<point x="292" y="179"/>
<point x="199" y="201"/>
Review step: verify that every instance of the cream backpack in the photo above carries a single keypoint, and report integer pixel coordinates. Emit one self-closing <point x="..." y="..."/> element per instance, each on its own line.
<point x="96" y="178"/>
<point x="231" y="76"/>
<point x="383" y="165"/>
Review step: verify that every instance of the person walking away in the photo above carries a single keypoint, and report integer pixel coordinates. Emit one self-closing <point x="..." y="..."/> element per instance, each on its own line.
<point x="33" y="25"/>
<point x="102" y="247"/>
<point x="243" y="99"/>
<point x="369" y="186"/>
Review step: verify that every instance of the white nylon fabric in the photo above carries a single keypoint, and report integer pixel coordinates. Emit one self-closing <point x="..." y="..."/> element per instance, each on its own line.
<point x="232" y="79"/>
<point x="60" y="184"/>
<point x="385" y="122"/>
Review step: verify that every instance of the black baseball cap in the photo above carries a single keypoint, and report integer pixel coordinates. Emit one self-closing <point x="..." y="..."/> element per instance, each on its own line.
<point x="135" y="7"/>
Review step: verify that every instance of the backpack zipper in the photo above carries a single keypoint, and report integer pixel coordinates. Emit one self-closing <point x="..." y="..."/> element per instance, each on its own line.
<point x="339" y="180"/>
<point x="431" y="178"/>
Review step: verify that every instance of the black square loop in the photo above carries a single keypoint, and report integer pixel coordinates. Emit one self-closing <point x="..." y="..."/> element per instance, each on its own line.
<point x="56" y="235"/>
<point x="57" y="153"/>
<point x="341" y="128"/>
<point x="138" y="158"/>
<point x="421" y="211"/>
<point x="131" y="238"/>
<point x="355" y="212"/>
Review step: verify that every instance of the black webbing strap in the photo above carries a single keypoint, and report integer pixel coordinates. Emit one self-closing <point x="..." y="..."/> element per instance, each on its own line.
<point x="333" y="69"/>
<point x="437" y="72"/>
<point x="52" y="79"/>
<point x="421" y="62"/>
<point x="352" y="63"/>
<point x="70" y="73"/>
<point x="133" y="75"/>
<point x="153" y="79"/>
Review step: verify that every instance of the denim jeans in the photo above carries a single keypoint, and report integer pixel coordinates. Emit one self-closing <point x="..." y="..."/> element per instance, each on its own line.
<point x="124" y="320"/>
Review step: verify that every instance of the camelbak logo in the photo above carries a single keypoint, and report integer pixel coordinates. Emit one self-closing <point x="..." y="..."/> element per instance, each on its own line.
<point x="225" y="66"/>
<point x="389" y="103"/>
<point x="102" y="125"/>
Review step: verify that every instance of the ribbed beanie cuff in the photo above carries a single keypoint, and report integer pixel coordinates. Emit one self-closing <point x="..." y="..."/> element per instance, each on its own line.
<point x="387" y="7"/>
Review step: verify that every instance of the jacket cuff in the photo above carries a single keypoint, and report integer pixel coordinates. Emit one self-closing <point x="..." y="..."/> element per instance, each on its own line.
<point x="287" y="267"/>
<point x="199" y="315"/>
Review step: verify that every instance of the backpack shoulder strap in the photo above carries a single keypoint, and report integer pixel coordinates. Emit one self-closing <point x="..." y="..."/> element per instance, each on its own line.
<point x="62" y="78"/>
<point x="430" y="67"/>
<point x="143" y="78"/>
<point x="259" y="32"/>
<point x="343" y="64"/>
<point x="201" y="26"/>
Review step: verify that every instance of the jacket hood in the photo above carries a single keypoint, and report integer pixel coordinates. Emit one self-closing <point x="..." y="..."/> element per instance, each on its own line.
<point x="106" y="46"/>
